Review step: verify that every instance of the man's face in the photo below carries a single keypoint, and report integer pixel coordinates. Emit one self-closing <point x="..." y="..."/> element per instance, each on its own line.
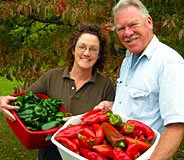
<point x="134" y="31"/>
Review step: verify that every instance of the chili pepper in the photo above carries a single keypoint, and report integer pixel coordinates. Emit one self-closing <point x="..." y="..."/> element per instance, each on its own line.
<point x="132" y="151"/>
<point x="99" y="133"/>
<point x="68" y="143"/>
<point x="127" y="129"/>
<point x="142" y="146"/>
<point x="147" y="131"/>
<point x="95" y="118"/>
<point x="70" y="132"/>
<point x="104" y="149"/>
<point x="119" y="154"/>
<point x="91" y="155"/>
<point x="113" y="135"/>
<point x="49" y="125"/>
<point x="116" y="121"/>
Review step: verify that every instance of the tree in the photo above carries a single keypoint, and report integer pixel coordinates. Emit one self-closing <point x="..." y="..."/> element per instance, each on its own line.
<point x="34" y="33"/>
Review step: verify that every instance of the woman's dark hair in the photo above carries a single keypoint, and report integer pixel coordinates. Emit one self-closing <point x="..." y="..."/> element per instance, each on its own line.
<point x="94" y="30"/>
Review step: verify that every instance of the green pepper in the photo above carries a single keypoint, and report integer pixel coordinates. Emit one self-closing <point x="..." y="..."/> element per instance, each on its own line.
<point x="40" y="111"/>
<point x="49" y="125"/>
<point x="25" y="114"/>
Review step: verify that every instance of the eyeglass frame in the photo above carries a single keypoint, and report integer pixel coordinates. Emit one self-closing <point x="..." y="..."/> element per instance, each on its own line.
<point x="82" y="48"/>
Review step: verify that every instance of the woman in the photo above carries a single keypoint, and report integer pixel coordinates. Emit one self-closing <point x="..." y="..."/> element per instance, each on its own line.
<point x="79" y="85"/>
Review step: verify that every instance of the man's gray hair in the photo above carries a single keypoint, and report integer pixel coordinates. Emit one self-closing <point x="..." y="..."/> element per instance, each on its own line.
<point x="124" y="3"/>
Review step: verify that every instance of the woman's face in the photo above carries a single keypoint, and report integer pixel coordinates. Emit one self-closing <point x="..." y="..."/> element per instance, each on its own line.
<point x="86" y="51"/>
<point x="134" y="31"/>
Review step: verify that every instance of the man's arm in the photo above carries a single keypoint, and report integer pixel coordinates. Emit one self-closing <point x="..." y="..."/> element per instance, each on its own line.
<point x="169" y="142"/>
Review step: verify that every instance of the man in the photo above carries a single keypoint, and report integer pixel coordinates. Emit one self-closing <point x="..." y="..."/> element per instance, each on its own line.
<point x="150" y="86"/>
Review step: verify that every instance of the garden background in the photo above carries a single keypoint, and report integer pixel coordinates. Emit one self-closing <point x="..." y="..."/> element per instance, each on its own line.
<point x="33" y="39"/>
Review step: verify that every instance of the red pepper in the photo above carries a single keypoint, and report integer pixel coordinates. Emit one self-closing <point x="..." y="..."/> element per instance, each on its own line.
<point x="67" y="143"/>
<point x="127" y="129"/>
<point x="76" y="142"/>
<point x="104" y="149"/>
<point x="147" y="131"/>
<point x="99" y="133"/>
<point x="95" y="118"/>
<point x="91" y="155"/>
<point x="142" y="146"/>
<point x="119" y="154"/>
<point x="113" y="135"/>
<point x="132" y="151"/>
<point x="86" y="138"/>
<point x="89" y="113"/>
<point x="70" y="132"/>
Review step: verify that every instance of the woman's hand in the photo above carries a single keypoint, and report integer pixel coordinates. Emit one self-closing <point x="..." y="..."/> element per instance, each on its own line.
<point x="5" y="107"/>
<point x="104" y="104"/>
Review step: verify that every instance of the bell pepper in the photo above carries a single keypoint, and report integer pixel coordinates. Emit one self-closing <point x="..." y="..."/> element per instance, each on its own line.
<point x="70" y="131"/>
<point x="91" y="155"/>
<point x="132" y="151"/>
<point x="99" y="133"/>
<point x="116" y="121"/>
<point x="104" y="149"/>
<point x="147" y="131"/>
<point x="113" y="135"/>
<point x="119" y="154"/>
<point x="142" y="146"/>
<point x="68" y="143"/>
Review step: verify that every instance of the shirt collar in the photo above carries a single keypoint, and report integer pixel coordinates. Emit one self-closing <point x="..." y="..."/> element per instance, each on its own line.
<point x="66" y="75"/>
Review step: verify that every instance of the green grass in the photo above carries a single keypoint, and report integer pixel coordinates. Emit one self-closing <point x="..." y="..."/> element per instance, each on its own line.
<point x="10" y="147"/>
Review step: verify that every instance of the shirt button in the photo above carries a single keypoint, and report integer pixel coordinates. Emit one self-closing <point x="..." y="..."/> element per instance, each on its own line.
<point x="73" y="88"/>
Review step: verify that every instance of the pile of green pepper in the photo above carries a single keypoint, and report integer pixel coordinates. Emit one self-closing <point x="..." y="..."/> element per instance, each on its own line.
<point x="37" y="113"/>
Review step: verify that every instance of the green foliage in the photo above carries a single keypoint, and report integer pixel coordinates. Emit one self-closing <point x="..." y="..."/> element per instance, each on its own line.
<point x="34" y="33"/>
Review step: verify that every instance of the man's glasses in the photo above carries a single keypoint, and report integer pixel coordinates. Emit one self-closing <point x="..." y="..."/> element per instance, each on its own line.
<point x="83" y="48"/>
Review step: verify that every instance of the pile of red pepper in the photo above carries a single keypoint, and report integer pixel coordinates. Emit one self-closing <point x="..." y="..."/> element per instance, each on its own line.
<point x="102" y="135"/>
